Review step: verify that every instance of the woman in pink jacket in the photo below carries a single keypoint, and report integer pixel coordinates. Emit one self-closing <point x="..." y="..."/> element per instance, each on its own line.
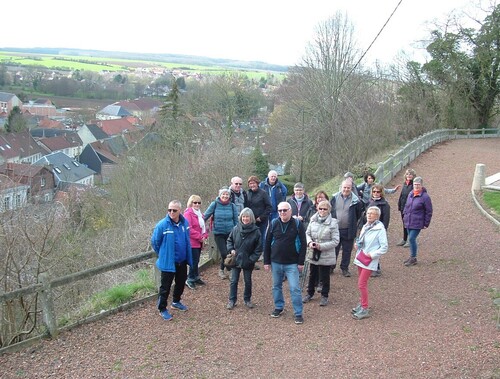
<point x="198" y="235"/>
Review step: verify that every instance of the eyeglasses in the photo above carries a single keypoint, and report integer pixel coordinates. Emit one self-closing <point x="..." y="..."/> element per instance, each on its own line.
<point x="283" y="210"/>
<point x="323" y="209"/>
<point x="173" y="210"/>
<point x="375" y="191"/>
<point x="196" y="202"/>
<point x="238" y="184"/>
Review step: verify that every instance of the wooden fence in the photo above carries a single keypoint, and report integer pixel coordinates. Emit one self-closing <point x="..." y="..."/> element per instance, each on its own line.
<point x="385" y="172"/>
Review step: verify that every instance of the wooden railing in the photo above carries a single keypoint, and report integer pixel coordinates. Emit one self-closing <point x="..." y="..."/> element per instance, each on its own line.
<point x="44" y="288"/>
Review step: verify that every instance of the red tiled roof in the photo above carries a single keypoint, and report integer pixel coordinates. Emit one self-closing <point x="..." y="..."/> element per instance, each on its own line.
<point x="114" y="127"/>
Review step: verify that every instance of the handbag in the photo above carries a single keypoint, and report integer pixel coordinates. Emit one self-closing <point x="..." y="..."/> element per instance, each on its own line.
<point x="230" y="261"/>
<point x="363" y="258"/>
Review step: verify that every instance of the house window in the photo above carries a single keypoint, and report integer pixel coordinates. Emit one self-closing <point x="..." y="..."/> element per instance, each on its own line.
<point x="57" y="169"/>
<point x="43" y="182"/>
<point x="6" y="203"/>
<point x="18" y="201"/>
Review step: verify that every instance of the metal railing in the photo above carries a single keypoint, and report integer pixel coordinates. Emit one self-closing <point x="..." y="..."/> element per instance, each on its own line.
<point x="385" y="171"/>
<point x="389" y="168"/>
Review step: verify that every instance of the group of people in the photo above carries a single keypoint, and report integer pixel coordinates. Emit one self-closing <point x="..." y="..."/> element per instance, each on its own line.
<point x="261" y="223"/>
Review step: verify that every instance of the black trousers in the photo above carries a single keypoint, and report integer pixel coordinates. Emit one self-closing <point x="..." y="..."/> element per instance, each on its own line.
<point x="180" y="276"/>
<point x="346" y="244"/>
<point x="321" y="274"/>
<point x="220" y="241"/>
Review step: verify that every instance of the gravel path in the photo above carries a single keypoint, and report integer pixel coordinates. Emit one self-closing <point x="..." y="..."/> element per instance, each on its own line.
<point x="433" y="320"/>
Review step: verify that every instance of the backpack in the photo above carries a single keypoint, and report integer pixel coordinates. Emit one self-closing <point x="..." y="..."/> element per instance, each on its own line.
<point x="298" y="245"/>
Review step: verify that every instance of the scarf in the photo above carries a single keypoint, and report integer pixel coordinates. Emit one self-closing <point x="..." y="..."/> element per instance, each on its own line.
<point x="200" y="220"/>
<point x="321" y="220"/>
<point x="361" y="240"/>
<point x="417" y="192"/>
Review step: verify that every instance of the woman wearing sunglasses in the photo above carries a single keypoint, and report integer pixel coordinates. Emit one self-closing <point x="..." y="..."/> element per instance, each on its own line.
<point x="322" y="237"/>
<point x="198" y="235"/>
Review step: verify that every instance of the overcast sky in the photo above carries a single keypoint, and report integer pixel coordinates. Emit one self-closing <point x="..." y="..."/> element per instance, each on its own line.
<point x="272" y="31"/>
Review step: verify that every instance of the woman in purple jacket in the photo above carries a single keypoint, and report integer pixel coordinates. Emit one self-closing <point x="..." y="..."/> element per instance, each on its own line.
<point x="416" y="216"/>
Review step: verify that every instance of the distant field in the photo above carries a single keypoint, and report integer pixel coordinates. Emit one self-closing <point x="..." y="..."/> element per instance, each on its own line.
<point x="98" y="64"/>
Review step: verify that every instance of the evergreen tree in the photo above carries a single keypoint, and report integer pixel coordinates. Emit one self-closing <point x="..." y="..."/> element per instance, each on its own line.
<point x="16" y="122"/>
<point x="259" y="161"/>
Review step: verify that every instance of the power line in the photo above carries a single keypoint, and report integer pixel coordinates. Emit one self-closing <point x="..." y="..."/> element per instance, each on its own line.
<point x="371" y="44"/>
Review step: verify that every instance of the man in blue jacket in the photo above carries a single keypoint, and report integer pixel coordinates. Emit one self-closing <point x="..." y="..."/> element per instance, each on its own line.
<point x="170" y="240"/>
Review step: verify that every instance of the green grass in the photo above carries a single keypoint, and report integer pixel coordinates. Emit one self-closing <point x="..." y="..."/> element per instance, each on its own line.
<point x="492" y="199"/>
<point x="113" y="297"/>
<point x="98" y="64"/>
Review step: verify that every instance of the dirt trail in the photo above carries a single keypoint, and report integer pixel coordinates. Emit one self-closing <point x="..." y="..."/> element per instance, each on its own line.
<point x="433" y="320"/>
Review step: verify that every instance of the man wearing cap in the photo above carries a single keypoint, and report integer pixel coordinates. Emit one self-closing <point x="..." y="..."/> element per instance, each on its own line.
<point x="170" y="240"/>
<point x="238" y="194"/>
<point x="301" y="204"/>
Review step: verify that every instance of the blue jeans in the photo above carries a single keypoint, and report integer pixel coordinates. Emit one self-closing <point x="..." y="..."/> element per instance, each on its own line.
<point x="233" y="287"/>
<point x="292" y="274"/>
<point x="194" y="273"/>
<point x="412" y="238"/>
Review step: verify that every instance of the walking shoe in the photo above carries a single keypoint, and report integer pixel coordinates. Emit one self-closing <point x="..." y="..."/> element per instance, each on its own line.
<point x="376" y="274"/>
<point x="166" y="315"/>
<point x="200" y="282"/>
<point x="190" y="284"/>
<point x="323" y="301"/>
<point x="249" y="304"/>
<point x="411" y="262"/>
<point x="356" y="309"/>
<point x="277" y="313"/>
<point x="230" y="304"/>
<point x="222" y="275"/>
<point x="401" y="243"/>
<point x="299" y="319"/>
<point x="361" y="314"/>
<point x="179" y="306"/>
<point x="306" y="299"/>
<point x="407" y="244"/>
<point x="346" y="273"/>
<point x="319" y="288"/>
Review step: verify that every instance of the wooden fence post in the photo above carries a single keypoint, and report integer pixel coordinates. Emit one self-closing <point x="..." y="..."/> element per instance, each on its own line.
<point x="47" y="304"/>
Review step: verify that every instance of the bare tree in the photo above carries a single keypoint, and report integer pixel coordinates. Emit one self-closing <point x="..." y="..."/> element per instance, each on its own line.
<point x="329" y="108"/>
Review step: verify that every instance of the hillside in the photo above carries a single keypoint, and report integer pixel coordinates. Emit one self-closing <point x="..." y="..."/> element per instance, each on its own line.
<point x="168" y="58"/>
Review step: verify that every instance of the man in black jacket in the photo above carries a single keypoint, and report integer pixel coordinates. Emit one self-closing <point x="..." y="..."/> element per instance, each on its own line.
<point x="284" y="254"/>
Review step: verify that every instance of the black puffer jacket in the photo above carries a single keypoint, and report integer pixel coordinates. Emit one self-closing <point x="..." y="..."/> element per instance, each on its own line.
<point x="246" y="240"/>
<point x="403" y="196"/>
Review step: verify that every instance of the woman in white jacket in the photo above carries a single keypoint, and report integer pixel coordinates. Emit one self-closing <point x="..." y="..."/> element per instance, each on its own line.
<point x="370" y="245"/>
<point x="322" y="237"/>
